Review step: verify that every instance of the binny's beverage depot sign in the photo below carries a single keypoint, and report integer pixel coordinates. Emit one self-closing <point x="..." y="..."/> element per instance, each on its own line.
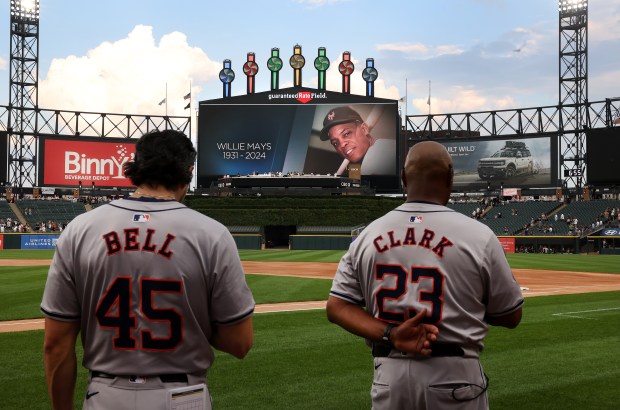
<point x="85" y="162"/>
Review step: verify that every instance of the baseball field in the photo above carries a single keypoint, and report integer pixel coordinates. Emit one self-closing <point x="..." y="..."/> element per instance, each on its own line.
<point x="564" y="355"/>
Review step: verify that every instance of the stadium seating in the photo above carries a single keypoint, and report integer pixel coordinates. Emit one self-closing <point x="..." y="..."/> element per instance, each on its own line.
<point x="6" y="211"/>
<point x="466" y="208"/>
<point x="586" y="213"/>
<point x="517" y="215"/>
<point x="61" y="212"/>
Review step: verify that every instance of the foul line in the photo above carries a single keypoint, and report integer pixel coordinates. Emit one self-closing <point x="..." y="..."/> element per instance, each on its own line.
<point x="20" y="323"/>
<point x="570" y="314"/>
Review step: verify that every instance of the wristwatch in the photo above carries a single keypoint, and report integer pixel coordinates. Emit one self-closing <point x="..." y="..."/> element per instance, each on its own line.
<point x="387" y="332"/>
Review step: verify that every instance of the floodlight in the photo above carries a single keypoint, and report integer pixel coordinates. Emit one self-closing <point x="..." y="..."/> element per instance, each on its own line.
<point x="25" y="9"/>
<point x="572" y="5"/>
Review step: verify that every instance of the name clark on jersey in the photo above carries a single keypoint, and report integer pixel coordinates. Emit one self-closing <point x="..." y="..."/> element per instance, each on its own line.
<point x="383" y="244"/>
<point x="130" y="241"/>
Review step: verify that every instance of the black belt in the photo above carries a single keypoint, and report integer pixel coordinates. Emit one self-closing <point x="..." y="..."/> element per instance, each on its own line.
<point x="165" y="378"/>
<point x="437" y="350"/>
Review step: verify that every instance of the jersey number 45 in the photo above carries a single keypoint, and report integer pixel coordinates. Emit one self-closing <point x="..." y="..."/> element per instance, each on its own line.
<point x="115" y="312"/>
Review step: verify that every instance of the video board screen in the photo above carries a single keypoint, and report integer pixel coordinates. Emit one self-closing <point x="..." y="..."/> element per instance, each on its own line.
<point x="514" y="162"/>
<point x="602" y="156"/>
<point x="281" y="131"/>
<point x="69" y="162"/>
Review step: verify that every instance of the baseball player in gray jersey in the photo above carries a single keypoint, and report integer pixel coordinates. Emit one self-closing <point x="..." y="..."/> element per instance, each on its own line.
<point x="151" y="285"/>
<point x="423" y="257"/>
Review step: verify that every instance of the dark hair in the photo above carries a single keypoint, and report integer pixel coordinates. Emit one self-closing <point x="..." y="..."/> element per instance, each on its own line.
<point x="162" y="158"/>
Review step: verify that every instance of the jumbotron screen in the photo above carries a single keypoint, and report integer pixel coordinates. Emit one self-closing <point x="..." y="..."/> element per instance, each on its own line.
<point x="514" y="161"/>
<point x="283" y="131"/>
<point x="602" y="158"/>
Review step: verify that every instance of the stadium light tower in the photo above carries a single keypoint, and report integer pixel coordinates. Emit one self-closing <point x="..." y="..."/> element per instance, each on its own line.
<point x="23" y="92"/>
<point x="573" y="88"/>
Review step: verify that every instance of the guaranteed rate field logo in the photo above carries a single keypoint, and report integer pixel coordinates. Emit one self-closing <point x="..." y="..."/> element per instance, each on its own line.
<point x="84" y="164"/>
<point x="301" y="96"/>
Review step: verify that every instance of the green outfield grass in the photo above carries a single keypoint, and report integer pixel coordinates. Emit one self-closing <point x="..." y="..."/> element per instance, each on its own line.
<point x="563" y="356"/>
<point x="30" y="254"/>
<point x="21" y="289"/>
<point x="290" y="256"/>
<point x="566" y="262"/>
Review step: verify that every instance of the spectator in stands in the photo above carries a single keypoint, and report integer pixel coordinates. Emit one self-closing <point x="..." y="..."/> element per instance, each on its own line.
<point x="351" y="137"/>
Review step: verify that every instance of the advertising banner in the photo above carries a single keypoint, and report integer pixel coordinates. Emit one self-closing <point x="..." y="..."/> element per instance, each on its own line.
<point x="1" y="241"/>
<point x="612" y="232"/>
<point x="39" y="241"/>
<point x="86" y="161"/>
<point x="508" y="244"/>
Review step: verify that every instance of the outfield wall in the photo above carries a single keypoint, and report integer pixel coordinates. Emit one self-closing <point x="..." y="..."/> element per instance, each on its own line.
<point x="556" y="244"/>
<point x="248" y="241"/>
<point x="27" y="241"/>
<point x="320" y="242"/>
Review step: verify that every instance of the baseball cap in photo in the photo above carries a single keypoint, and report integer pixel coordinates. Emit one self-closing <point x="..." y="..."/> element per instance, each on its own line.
<point x="340" y="115"/>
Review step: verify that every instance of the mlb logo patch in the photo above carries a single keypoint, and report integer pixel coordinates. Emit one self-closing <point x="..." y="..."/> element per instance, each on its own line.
<point x="415" y="219"/>
<point x="141" y="217"/>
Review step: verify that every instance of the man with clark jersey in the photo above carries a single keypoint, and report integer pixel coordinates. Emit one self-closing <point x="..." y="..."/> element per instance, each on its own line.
<point x="424" y="259"/>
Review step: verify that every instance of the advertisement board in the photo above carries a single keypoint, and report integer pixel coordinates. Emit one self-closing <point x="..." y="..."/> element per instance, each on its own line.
<point x="39" y="241"/>
<point x="615" y="232"/>
<point x="69" y="162"/>
<point x="281" y="131"/>
<point x="508" y="244"/>
<point x="511" y="162"/>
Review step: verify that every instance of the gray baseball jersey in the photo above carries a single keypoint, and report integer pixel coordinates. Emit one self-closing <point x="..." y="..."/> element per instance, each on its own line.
<point x="423" y="255"/>
<point x="147" y="279"/>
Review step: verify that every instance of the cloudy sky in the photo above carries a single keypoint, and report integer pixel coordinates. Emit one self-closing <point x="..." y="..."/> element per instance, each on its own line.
<point x="123" y="56"/>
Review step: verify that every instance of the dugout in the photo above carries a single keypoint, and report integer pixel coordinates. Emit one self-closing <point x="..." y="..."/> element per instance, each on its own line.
<point x="554" y="244"/>
<point x="607" y="241"/>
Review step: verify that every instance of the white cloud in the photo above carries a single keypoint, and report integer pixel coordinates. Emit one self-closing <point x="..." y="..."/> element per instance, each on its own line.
<point x="129" y="76"/>
<point x="3" y="64"/>
<point x="463" y="99"/>
<point x="357" y="85"/>
<point x="604" y="21"/>
<point x="420" y="51"/>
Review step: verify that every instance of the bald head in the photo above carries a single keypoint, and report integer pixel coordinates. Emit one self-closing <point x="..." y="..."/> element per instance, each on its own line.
<point x="428" y="173"/>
